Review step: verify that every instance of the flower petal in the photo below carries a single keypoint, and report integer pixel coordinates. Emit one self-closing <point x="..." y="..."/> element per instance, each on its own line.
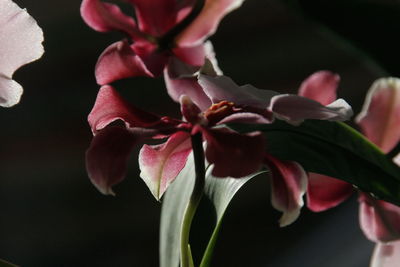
<point x="110" y="107"/>
<point x="193" y="55"/>
<point x="119" y="61"/>
<point x="320" y="86"/>
<point x="245" y="117"/>
<point x="222" y="88"/>
<point x="289" y="184"/>
<point x="295" y="109"/>
<point x="104" y="17"/>
<point x="380" y="116"/>
<point x="160" y="164"/>
<point x="206" y="23"/>
<point x="379" y="220"/>
<point x="107" y="156"/>
<point x="156" y="17"/>
<point x="325" y="192"/>
<point x="154" y="59"/>
<point x="20" y="43"/>
<point x="386" y="255"/>
<point x="235" y="155"/>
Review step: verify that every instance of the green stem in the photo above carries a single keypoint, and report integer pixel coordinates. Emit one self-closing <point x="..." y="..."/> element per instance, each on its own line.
<point x="198" y="189"/>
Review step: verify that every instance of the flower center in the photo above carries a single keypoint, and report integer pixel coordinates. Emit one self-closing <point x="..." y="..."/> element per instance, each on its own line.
<point x="218" y="111"/>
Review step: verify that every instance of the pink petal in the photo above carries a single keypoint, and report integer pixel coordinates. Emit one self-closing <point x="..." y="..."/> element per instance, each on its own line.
<point x="191" y="111"/>
<point x="320" y="86"/>
<point x="380" y="116"/>
<point x="107" y="156"/>
<point x="189" y="86"/>
<point x="110" y="106"/>
<point x="235" y="155"/>
<point x="119" y="61"/>
<point x="160" y="164"/>
<point x="154" y="59"/>
<point x="289" y="184"/>
<point x="206" y="23"/>
<point x="20" y="43"/>
<point x="222" y="88"/>
<point x="386" y="255"/>
<point x="156" y="17"/>
<point x="325" y="192"/>
<point x="245" y="117"/>
<point x="104" y="17"/>
<point x="379" y="220"/>
<point x="193" y="55"/>
<point x="295" y="109"/>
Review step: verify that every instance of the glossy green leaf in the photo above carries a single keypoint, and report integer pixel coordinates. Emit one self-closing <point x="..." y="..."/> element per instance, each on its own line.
<point x="218" y="191"/>
<point x="333" y="149"/>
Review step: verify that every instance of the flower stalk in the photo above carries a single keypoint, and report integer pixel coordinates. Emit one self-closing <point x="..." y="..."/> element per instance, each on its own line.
<point x="198" y="189"/>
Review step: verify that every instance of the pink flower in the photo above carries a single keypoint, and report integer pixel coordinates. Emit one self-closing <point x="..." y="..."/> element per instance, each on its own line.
<point x="230" y="153"/>
<point x="379" y="119"/>
<point x="20" y="43"/>
<point x="164" y="29"/>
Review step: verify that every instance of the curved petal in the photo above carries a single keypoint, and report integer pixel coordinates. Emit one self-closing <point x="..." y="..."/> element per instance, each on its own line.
<point x="245" y="117"/>
<point x="206" y="23"/>
<point x="325" y="192"/>
<point x="10" y="92"/>
<point x="110" y="106"/>
<point x="107" y="156"/>
<point x="235" y="155"/>
<point x="20" y="43"/>
<point x="154" y="59"/>
<point x="222" y="88"/>
<point x="160" y="164"/>
<point x="386" y="255"/>
<point x="295" y="109"/>
<point x="156" y="17"/>
<point x="379" y="220"/>
<point x="189" y="86"/>
<point x="104" y="17"/>
<point x="380" y="116"/>
<point x="193" y="55"/>
<point x="289" y="184"/>
<point x="119" y="61"/>
<point x="320" y="86"/>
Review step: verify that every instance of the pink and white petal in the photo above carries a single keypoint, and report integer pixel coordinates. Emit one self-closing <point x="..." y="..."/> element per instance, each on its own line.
<point x="222" y="88"/>
<point x="107" y="156"/>
<point x="380" y="116"/>
<point x="206" y="22"/>
<point x="177" y="69"/>
<point x="246" y="117"/>
<point x="154" y="59"/>
<point x="186" y="86"/>
<point x="191" y="111"/>
<point x="296" y="109"/>
<point x="321" y="87"/>
<point x="325" y="192"/>
<point x="288" y="185"/>
<point x="193" y="55"/>
<point x="20" y="43"/>
<point x="10" y="92"/>
<point x="386" y="255"/>
<point x="396" y="160"/>
<point x="235" y="155"/>
<point x="160" y="164"/>
<point x="110" y="106"/>
<point x="119" y="61"/>
<point x="379" y="220"/>
<point x="104" y="17"/>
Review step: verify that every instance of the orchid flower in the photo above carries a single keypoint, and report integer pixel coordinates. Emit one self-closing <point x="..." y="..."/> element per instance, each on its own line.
<point x="379" y="121"/>
<point x="20" y="43"/>
<point x="230" y="153"/>
<point x="163" y="30"/>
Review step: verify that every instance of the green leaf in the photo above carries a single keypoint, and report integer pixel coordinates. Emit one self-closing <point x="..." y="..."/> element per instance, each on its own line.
<point x="333" y="149"/>
<point x="218" y="191"/>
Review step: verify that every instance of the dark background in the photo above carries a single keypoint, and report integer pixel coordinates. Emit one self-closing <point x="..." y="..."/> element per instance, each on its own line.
<point x="53" y="216"/>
